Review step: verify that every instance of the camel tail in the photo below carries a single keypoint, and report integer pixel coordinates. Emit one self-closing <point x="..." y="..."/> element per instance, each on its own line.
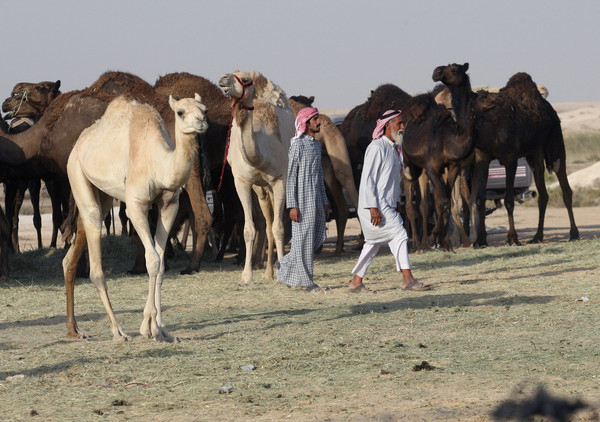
<point x="69" y="226"/>
<point x="554" y="152"/>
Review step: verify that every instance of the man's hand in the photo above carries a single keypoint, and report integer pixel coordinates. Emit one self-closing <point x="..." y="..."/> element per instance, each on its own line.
<point x="295" y="215"/>
<point x="326" y="208"/>
<point x="375" y="216"/>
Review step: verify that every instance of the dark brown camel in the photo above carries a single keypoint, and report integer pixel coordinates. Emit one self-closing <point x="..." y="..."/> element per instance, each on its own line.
<point x="520" y="123"/>
<point x="455" y="77"/>
<point x="432" y="142"/>
<point x="27" y="103"/>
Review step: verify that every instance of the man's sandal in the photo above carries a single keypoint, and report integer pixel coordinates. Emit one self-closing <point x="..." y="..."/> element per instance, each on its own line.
<point x="361" y="288"/>
<point x="417" y="286"/>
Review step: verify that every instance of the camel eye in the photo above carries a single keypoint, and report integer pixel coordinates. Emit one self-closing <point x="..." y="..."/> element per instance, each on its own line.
<point x="180" y="113"/>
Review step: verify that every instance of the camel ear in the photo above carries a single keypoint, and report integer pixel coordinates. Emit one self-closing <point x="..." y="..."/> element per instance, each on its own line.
<point x="172" y="102"/>
<point x="466" y="66"/>
<point x="253" y="74"/>
<point x="197" y="97"/>
<point x="56" y="86"/>
<point x="311" y="99"/>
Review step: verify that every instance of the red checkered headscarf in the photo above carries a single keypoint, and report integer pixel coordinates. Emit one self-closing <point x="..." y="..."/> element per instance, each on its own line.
<point x="303" y="117"/>
<point x="382" y="121"/>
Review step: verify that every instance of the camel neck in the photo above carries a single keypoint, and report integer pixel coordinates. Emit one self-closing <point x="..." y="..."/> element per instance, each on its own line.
<point x="249" y="147"/>
<point x="17" y="149"/>
<point x="182" y="158"/>
<point x="461" y="104"/>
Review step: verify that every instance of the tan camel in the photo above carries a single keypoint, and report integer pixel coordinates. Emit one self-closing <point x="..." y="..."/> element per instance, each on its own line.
<point x="261" y="130"/>
<point x="128" y="155"/>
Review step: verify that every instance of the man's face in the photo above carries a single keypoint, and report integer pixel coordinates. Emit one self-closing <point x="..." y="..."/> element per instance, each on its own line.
<point x="313" y="125"/>
<point x="396" y="125"/>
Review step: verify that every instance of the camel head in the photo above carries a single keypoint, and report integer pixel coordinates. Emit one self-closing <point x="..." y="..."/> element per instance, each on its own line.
<point x="485" y="101"/>
<point x="452" y="74"/>
<point x="30" y="99"/>
<point x="239" y="86"/>
<point x="190" y="114"/>
<point x="305" y="101"/>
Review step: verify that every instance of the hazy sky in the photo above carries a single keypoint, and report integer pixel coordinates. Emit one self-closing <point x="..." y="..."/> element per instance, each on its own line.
<point x="335" y="50"/>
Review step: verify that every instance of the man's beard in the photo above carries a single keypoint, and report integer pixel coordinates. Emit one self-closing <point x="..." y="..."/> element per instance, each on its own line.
<point x="398" y="137"/>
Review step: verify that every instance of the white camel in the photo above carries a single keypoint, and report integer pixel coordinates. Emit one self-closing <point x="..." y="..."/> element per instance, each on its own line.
<point x="128" y="155"/>
<point x="261" y="130"/>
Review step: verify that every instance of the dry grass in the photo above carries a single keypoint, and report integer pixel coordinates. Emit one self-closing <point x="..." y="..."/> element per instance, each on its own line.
<point x="500" y="320"/>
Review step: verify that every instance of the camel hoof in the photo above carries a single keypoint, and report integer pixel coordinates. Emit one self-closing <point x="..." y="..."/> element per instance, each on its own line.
<point x="121" y="337"/>
<point x="247" y="278"/>
<point x="78" y="335"/>
<point x="186" y="271"/>
<point x="145" y="330"/>
<point x="135" y="271"/>
<point x="164" y="337"/>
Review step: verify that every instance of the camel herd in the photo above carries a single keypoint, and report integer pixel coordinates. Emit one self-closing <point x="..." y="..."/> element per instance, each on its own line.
<point x="126" y="139"/>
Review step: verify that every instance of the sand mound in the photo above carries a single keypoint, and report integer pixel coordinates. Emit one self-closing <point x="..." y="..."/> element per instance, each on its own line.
<point x="584" y="178"/>
<point x="579" y="117"/>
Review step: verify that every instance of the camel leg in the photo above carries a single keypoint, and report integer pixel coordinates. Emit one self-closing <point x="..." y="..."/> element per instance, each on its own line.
<point x="185" y="234"/>
<point x="167" y="212"/>
<point x="482" y="166"/>
<point x="440" y="198"/>
<point x="245" y="194"/>
<point x="278" y="208"/>
<point x="567" y="198"/>
<point x="123" y="219"/>
<point x="465" y="193"/>
<point x="265" y="202"/>
<point x="509" y="203"/>
<point x="424" y="209"/>
<point x="4" y="236"/>
<point x="537" y="166"/>
<point x="10" y="204"/>
<point x="340" y="201"/>
<point x="137" y="211"/>
<point x="202" y="218"/>
<point x="91" y="204"/>
<point x="17" y="209"/>
<point x="409" y="191"/>
<point x="57" y="217"/>
<point x="34" y="186"/>
<point x="456" y="197"/>
<point x="70" y="269"/>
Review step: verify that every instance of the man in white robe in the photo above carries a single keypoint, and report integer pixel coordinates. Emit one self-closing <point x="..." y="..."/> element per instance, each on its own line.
<point x="379" y="203"/>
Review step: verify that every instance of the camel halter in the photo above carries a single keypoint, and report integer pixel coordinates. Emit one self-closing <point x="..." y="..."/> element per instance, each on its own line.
<point x="235" y="103"/>
<point x="24" y="98"/>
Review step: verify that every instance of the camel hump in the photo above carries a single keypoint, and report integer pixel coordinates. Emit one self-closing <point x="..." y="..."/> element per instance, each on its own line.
<point x="270" y="93"/>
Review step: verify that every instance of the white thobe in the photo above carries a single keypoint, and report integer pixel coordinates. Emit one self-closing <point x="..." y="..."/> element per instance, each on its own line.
<point x="380" y="188"/>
